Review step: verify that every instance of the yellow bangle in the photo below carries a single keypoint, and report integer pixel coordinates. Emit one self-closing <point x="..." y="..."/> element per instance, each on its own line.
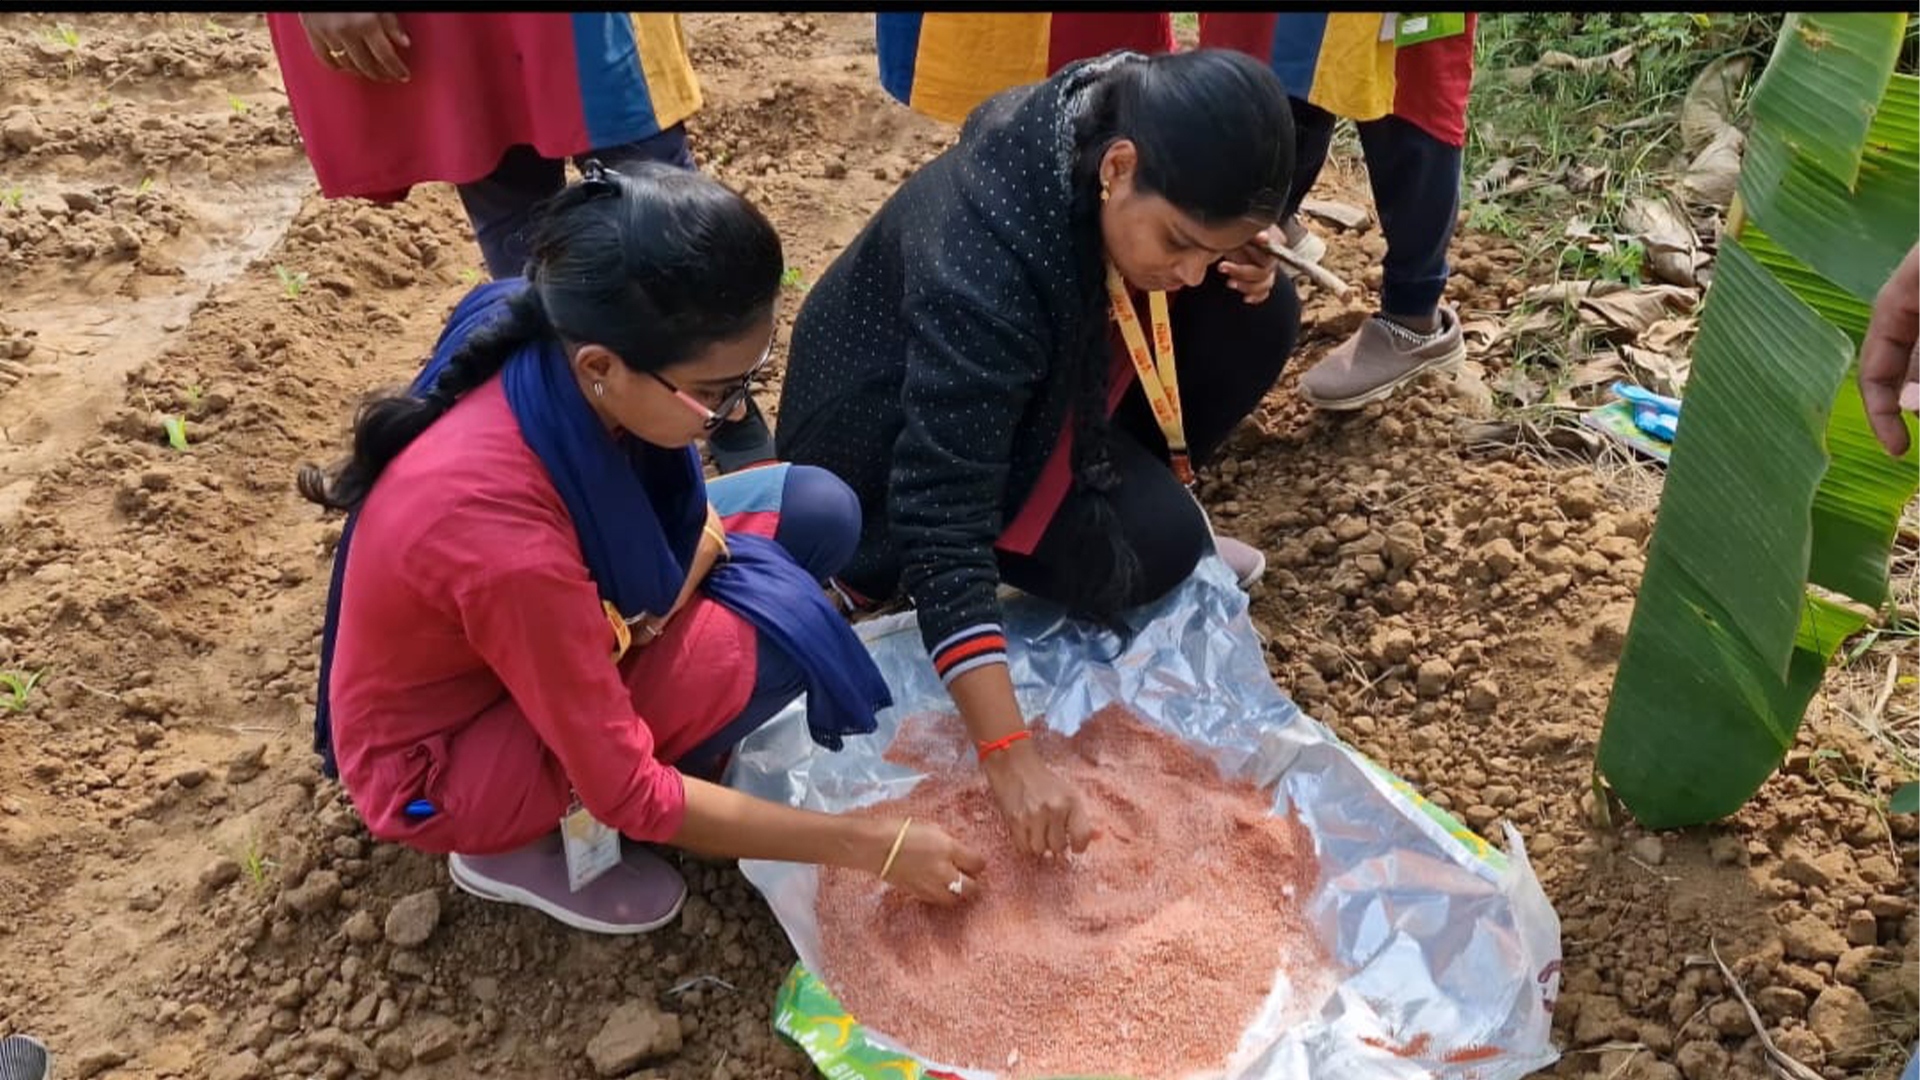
<point x="718" y="538"/>
<point x="894" y="853"/>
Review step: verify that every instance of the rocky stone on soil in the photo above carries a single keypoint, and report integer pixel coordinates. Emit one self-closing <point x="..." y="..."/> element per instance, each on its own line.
<point x="247" y="764"/>
<point x="1780" y="1002"/>
<point x="222" y="873"/>
<point x="95" y="1062"/>
<point x="394" y="1050"/>
<point x="1843" y="1022"/>
<point x="245" y="1065"/>
<point x="637" y="1032"/>
<point x="1863" y="928"/>
<point x="1853" y="965"/>
<point x="361" y="929"/>
<point x="1433" y="678"/>
<point x="1702" y="1060"/>
<point x="1483" y="695"/>
<point x="1729" y="1018"/>
<point x="413" y="918"/>
<point x="318" y="891"/>
<point x="436" y="1039"/>
<point x="1810" y="938"/>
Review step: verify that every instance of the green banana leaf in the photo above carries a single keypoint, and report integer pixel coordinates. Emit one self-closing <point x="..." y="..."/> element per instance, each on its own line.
<point x="1776" y="480"/>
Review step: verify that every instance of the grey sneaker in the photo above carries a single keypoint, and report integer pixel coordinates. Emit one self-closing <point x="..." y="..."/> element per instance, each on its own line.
<point x="1247" y="562"/>
<point x="642" y="893"/>
<point x="1377" y="359"/>
<point x="23" y="1057"/>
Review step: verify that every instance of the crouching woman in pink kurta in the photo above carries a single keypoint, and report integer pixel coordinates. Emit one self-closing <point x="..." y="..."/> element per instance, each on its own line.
<point x="539" y="606"/>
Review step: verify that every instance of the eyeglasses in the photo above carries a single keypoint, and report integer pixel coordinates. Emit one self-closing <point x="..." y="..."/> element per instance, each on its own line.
<point x="735" y="396"/>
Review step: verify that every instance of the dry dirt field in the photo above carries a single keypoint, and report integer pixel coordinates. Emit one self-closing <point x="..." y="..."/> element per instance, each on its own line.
<point x="181" y="893"/>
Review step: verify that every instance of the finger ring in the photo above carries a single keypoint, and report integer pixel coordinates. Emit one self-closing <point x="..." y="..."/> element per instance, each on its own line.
<point x="958" y="884"/>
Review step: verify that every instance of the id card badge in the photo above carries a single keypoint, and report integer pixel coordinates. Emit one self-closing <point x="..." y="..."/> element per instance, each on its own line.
<point x="592" y="848"/>
<point x="1428" y="26"/>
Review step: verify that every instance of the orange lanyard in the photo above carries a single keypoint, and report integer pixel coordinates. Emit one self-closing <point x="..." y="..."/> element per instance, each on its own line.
<point x="1160" y="381"/>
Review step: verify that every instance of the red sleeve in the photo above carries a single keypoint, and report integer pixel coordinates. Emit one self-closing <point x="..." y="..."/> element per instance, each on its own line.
<point x="538" y="623"/>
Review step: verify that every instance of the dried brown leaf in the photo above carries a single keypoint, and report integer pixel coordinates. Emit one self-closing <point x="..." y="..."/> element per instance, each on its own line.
<point x="1636" y="310"/>
<point x="1715" y="171"/>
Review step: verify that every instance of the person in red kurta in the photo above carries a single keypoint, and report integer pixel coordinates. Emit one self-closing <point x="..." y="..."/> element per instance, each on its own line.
<point x="494" y="103"/>
<point x="538" y="602"/>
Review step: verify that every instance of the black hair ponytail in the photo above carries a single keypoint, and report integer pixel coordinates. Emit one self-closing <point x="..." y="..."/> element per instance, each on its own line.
<point x="654" y="263"/>
<point x="1214" y="135"/>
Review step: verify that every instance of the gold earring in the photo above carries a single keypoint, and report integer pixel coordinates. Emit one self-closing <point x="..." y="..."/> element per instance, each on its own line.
<point x="1105" y="191"/>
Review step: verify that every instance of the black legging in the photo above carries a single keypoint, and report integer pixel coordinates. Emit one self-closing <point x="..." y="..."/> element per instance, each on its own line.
<point x="1230" y="353"/>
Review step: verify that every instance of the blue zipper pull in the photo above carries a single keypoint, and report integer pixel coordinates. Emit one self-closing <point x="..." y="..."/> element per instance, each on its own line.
<point x="420" y="808"/>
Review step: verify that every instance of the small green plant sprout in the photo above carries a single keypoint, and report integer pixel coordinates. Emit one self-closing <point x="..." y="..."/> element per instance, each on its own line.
<point x="15" y="686"/>
<point x="194" y="394"/>
<point x="792" y="278"/>
<point x="215" y="30"/>
<point x="469" y="276"/>
<point x="64" y="34"/>
<point x="176" y="428"/>
<point x="234" y="103"/>
<point x="13" y="196"/>
<point x="102" y="103"/>
<point x="256" y="863"/>
<point x="1623" y="262"/>
<point x="146" y="185"/>
<point x="291" y="281"/>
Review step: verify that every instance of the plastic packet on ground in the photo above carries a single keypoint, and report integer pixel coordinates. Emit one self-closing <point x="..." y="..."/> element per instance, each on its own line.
<point x="1446" y="951"/>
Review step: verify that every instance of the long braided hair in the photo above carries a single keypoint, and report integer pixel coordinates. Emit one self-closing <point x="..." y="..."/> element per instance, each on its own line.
<point x="1214" y="135"/>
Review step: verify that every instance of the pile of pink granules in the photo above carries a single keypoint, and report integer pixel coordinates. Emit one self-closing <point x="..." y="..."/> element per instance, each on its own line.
<point x="1146" y="956"/>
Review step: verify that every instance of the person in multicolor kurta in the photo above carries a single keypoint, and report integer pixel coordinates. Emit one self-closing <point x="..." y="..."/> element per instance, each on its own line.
<point x="943" y="63"/>
<point x="493" y="103"/>
<point x="1409" y="102"/>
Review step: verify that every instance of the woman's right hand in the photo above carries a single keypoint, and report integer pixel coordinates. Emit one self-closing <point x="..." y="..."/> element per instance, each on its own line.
<point x="363" y="43"/>
<point x="1046" y="813"/>
<point x="930" y="861"/>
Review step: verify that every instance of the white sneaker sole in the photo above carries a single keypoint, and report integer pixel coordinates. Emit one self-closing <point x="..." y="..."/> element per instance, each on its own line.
<point x="500" y="892"/>
<point x="1449" y="362"/>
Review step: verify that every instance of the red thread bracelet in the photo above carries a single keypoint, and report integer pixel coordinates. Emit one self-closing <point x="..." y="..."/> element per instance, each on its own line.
<point x="987" y="748"/>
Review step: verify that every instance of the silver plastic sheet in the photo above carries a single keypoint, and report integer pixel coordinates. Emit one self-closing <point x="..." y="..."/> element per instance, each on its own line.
<point x="1446" y="952"/>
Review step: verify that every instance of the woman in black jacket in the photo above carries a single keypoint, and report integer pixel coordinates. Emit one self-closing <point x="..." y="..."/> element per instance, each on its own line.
<point x="979" y="367"/>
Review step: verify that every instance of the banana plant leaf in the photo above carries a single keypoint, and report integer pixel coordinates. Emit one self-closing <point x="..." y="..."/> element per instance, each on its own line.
<point x="1775" y="479"/>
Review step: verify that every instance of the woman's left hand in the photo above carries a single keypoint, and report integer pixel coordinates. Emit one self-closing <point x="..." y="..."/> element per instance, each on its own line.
<point x="1250" y="270"/>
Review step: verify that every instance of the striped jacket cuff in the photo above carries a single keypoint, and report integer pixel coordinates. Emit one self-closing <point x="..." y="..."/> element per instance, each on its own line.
<point x="976" y="646"/>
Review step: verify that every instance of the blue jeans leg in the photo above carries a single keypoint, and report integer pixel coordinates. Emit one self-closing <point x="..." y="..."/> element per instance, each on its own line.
<point x="501" y="204"/>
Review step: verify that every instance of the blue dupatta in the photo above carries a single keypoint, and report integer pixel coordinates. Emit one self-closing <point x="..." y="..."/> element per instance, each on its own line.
<point x="637" y="510"/>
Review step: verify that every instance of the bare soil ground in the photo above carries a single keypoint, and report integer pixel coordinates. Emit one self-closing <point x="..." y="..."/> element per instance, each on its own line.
<point x="181" y="895"/>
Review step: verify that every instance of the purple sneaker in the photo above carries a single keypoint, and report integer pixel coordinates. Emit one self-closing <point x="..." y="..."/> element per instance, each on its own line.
<point x="642" y="893"/>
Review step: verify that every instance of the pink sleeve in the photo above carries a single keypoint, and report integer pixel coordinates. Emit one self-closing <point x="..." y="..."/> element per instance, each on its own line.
<point x="539" y="625"/>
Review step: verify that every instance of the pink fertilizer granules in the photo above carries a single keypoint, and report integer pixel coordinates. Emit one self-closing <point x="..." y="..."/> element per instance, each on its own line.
<point x="1146" y="956"/>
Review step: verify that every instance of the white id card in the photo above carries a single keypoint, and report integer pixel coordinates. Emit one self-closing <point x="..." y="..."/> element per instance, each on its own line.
<point x="592" y="848"/>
